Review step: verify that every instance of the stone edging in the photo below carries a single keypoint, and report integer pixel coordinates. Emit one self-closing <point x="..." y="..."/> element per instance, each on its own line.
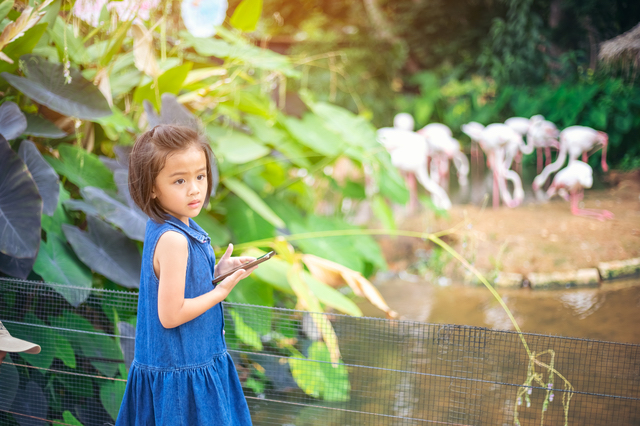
<point x="590" y="277"/>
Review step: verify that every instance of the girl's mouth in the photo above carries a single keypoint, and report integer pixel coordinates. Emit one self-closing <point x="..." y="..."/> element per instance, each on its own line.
<point x="194" y="204"/>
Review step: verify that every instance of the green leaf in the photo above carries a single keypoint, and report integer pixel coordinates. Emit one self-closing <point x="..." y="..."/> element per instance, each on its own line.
<point x="355" y="130"/>
<point x="244" y="222"/>
<point x="241" y="52"/>
<point x="219" y="234"/>
<point x="321" y="379"/>
<point x="252" y="292"/>
<point x="245" y="333"/>
<point x="5" y="7"/>
<point x="22" y="46"/>
<point x="170" y="81"/>
<point x="311" y="132"/>
<point x="20" y="206"/>
<point x="250" y="103"/>
<point x="66" y="40"/>
<point x="246" y="16"/>
<point x="106" y="251"/>
<point x="64" y="351"/>
<point x="115" y="42"/>
<point x="56" y="263"/>
<point x="42" y="128"/>
<point x="239" y="148"/>
<point x="329" y="296"/>
<point x="69" y="419"/>
<point x="82" y="168"/>
<point x="111" y="394"/>
<point x="254" y="201"/>
<point x="383" y="212"/>
<point x="45" y="83"/>
<point x="53" y="223"/>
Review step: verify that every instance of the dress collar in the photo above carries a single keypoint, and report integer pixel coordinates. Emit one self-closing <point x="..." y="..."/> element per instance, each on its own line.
<point x="194" y="230"/>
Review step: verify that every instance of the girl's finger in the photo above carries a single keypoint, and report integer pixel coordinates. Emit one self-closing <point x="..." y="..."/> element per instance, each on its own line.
<point x="228" y="252"/>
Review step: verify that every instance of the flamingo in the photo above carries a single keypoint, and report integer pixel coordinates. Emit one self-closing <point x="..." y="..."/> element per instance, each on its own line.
<point x="570" y="183"/>
<point x="541" y="134"/>
<point x="500" y="143"/>
<point x="574" y="141"/>
<point x="409" y="152"/>
<point x="443" y="148"/>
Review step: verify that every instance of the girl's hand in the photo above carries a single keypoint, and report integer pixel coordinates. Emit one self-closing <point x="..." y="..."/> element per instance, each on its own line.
<point x="228" y="263"/>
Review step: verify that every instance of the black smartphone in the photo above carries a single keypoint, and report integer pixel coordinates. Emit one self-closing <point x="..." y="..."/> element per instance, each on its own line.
<point x="246" y="265"/>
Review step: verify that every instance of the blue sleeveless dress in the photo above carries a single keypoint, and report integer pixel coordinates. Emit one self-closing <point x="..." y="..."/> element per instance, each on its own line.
<point x="184" y="375"/>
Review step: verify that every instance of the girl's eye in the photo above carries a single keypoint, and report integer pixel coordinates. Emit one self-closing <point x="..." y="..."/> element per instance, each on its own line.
<point x="201" y="177"/>
<point x="180" y="181"/>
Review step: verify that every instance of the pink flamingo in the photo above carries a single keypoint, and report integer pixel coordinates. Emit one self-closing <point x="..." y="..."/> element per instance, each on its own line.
<point x="444" y="148"/>
<point x="570" y="183"/>
<point x="500" y="143"/>
<point x="409" y="153"/>
<point x="541" y="134"/>
<point x="575" y="141"/>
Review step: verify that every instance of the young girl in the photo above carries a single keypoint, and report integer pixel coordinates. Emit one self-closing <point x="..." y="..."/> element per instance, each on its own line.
<point x="181" y="373"/>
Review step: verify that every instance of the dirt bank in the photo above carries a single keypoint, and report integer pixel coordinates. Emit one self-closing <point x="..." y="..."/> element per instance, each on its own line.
<point x="535" y="237"/>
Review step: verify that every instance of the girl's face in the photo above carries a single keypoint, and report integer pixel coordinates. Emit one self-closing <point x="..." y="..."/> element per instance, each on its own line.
<point x="181" y="186"/>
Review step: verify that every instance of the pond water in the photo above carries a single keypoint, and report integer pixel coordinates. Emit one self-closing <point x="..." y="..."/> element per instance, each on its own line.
<point x="610" y="312"/>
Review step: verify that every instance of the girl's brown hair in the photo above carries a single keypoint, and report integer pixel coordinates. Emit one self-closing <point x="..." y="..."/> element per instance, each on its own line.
<point x="148" y="157"/>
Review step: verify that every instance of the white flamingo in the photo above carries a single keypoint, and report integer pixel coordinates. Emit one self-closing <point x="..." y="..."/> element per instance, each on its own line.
<point x="409" y="152"/>
<point x="574" y="141"/>
<point x="444" y="148"/>
<point x="570" y="183"/>
<point x="541" y="134"/>
<point x="500" y="143"/>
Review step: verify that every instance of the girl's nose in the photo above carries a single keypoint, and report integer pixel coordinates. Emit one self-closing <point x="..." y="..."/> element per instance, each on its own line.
<point x="194" y="189"/>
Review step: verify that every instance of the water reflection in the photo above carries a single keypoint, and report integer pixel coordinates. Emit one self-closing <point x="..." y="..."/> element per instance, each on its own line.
<point x="602" y="313"/>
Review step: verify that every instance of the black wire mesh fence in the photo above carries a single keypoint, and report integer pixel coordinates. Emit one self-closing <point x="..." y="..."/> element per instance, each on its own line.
<point x="299" y="368"/>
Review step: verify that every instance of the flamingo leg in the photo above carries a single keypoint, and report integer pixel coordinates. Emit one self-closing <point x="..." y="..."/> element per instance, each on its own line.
<point x="539" y="164"/>
<point x="576" y="197"/>
<point x="547" y="151"/>
<point x="496" y="190"/>
<point x="585" y="157"/>
<point x="410" y="178"/>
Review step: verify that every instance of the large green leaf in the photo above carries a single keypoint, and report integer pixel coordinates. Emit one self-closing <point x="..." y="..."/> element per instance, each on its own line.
<point x="239" y="148"/>
<point x="246" y="16"/>
<point x="44" y="82"/>
<point x="252" y="199"/>
<point x="106" y="251"/>
<point x="56" y="263"/>
<point x="355" y="130"/>
<point x="97" y="202"/>
<point x="170" y="81"/>
<point x="43" y="174"/>
<point x="20" y="206"/>
<point x="244" y="332"/>
<point x="12" y="121"/>
<point x="331" y="297"/>
<point x="219" y="234"/>
<point x="241" y="52"/>
<point x="311" y="132"/>
<point x="326" y="380"/>
<point x="244" y="222"/>
<point x="252" y="292"/>
<point x="111" y="394"/>
<point x="274" y="272"/>
<point x="5" y="8"/>
<point x="52" y="344"/>
<point x="81" y="167"/>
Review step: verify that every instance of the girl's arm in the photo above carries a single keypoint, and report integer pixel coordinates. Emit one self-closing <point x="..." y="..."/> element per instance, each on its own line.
<point x="170" y="265"/>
